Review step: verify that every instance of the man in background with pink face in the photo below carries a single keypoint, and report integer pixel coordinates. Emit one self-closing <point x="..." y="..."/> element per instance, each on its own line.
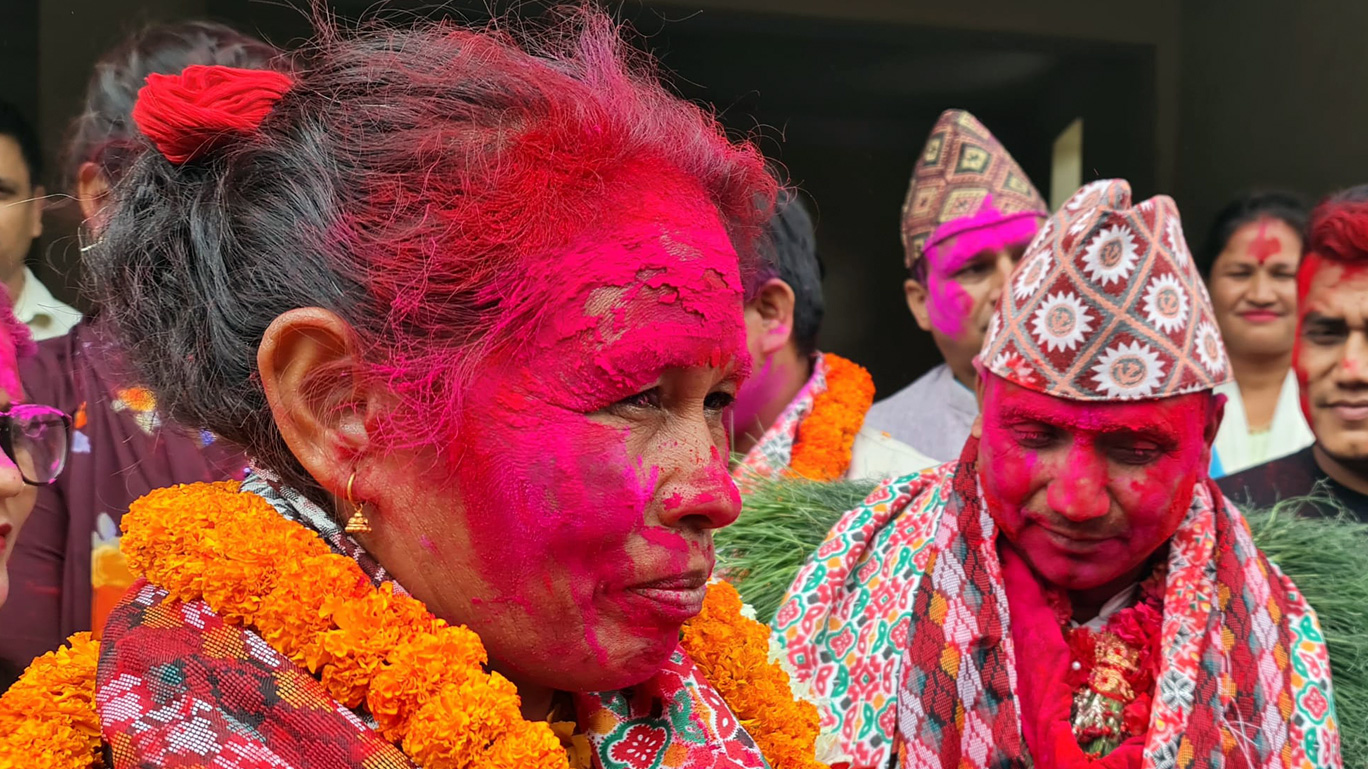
<point x="796" y="395"/>
<point x="1330" y="359"/>
<point x="1074" y="591"/>
<point x="970" y="212"/>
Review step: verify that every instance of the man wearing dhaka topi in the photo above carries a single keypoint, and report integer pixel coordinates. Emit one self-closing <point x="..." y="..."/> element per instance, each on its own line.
<point x="1074" y="591"/>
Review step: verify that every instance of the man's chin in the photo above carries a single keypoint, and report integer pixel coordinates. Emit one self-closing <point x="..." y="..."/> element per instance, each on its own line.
<point x="1348" y="448"/>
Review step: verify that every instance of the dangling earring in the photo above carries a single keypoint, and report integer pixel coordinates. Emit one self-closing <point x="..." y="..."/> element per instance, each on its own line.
<point x="358" y="523"/>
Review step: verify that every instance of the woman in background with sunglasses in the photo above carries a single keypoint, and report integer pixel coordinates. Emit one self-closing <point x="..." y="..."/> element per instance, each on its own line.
<point x="33" y="437"/>
<point x="69" y="571"/>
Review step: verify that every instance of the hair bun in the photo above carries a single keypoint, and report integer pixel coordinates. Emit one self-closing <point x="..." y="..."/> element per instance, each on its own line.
<point x="188" y="114"/>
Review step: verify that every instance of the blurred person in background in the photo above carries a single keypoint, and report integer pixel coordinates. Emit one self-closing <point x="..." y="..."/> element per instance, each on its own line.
<point x="34" y="445"/>
<point x="1250" y="265"/>
<point x="801" y="409"/>
<point x="69" y="572"/>
<point x="1330" y="361"/>
<point x="21" y="222"/>
<point x="969" y="214"/>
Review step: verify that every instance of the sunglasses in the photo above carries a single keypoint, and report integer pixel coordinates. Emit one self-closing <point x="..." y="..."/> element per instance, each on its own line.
<point x="35" y="438"/>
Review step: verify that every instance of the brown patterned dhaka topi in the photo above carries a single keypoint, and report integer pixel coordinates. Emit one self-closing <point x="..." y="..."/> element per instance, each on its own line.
<point x="964" y="180"/>
<point x="1107" y="305"/>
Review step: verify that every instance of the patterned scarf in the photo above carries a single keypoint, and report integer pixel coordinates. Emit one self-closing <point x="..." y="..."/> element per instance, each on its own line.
<point x="1226" y="686"/>
<point x="901" y="621"/>
<point x="179" y="687"/>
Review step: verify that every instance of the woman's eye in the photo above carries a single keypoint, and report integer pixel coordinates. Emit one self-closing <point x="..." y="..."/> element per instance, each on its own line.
<point x="718" y="401"/>
<point x="646" y="399"/>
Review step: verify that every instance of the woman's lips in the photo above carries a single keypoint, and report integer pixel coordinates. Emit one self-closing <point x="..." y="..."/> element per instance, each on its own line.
<point x="5" y="530"/>
<point x="1261" y="316"/>
<point x="674" y="599"/>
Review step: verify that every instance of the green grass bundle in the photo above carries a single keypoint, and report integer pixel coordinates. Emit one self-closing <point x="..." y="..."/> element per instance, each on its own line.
<point x="1328" y="560"/>
<point x="783" y="521"/>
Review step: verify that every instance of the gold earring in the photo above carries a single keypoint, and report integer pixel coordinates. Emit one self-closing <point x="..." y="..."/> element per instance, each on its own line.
<point x="358" y="523"/>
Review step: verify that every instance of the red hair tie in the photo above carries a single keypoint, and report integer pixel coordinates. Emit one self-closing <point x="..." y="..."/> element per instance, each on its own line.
<point x="188" y="114"/>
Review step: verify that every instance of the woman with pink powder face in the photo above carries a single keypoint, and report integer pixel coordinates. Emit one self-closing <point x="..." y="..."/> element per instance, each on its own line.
<point x="497" y="310"/>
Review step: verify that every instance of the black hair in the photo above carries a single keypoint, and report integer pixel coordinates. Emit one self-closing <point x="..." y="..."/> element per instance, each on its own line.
<point x="1290" y="208"/>
<point x="13" y="125"/>
<point x="104" y="132"/>
<point x="791" y="255"/>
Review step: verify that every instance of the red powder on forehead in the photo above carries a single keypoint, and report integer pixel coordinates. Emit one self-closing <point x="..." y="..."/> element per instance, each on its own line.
<point x="1264" y="245"/>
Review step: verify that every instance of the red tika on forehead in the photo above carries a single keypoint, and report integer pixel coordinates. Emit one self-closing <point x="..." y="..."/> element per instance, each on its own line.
<point x="1264" y="245"/>
<point x="1107" y="305"/>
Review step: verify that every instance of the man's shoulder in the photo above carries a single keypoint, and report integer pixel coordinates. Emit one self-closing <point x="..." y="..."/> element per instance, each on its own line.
<point x="876" y="454"/>
<point x="924" y="385"/>
<point x="1265" y="485"/>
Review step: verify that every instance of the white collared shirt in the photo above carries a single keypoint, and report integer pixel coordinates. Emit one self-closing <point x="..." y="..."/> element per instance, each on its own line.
<point x="37" y="308"/>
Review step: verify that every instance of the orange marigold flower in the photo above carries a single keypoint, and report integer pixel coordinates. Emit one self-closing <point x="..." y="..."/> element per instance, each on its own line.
<point x="47" y="718"/>
<point x="290" y="616"/>
<point x="526" y="746"/>
<point x="462" y="721"/>
<point x="821" y="450"/>
<point x="417" y="669"/>
<point x="732" y="652"/>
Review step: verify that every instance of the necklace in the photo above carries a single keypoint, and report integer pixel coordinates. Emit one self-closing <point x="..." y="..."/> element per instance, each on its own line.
<point x="1112" y="670"/>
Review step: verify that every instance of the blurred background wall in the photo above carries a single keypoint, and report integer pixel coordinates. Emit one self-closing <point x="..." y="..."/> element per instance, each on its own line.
<point x="1193" y="98"/>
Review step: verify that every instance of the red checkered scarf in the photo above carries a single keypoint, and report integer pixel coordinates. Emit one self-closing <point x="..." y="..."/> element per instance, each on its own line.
<point x="1223" y="696"/>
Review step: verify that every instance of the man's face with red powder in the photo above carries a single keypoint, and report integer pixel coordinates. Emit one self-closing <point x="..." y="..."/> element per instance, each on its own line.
<point x="1331" y="356"/>
<point x="591" y="464"/>
<point x="1086" y="492"/>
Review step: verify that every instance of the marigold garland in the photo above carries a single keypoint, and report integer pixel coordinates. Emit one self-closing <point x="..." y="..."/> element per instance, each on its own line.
<point x="821" y="450"/>
<point x="733" y="654"/>
<point x="416" y="675"/>
<point x="48" y="715"/>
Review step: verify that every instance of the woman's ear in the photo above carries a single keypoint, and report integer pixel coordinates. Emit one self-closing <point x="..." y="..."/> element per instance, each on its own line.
<point x="310" y="368"/>
<point x="92" y="192"/>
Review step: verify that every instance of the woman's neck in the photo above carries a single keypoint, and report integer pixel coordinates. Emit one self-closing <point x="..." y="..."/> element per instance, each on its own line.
<point x="1257" y="373"/>
<point x="1261" y="381"/>
<point x="537" y="700"/>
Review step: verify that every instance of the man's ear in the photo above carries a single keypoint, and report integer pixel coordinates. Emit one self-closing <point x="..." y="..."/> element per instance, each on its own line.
<point x="92" y="192"/>
<point x="980" y="392"/>
<point x="310" y="367"/>
<point x="916" y="302"/>
<point x="1215" y="413"/>
<point x="773" y="303"/>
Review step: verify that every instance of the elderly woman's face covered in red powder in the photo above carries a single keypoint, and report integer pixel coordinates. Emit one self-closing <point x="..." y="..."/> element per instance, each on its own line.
<point x="591" y="464"/>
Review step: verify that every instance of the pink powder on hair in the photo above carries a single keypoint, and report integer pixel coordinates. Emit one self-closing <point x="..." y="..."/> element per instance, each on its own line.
<point x="571" y="500"/>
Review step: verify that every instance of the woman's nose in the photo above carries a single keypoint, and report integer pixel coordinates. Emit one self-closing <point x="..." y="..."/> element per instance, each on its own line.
<point x="699" y="491"/>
